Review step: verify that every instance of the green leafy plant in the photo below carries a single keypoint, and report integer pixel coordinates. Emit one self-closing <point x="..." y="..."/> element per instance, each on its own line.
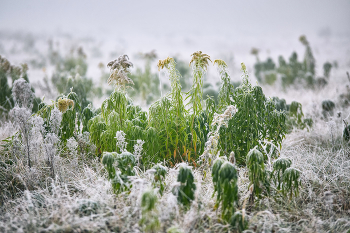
<point x="327" y="67"/>
<point x="279" y="167"/>
<point x="199" y="63"/>
<point x="126" y="163"/>
<point x="108" y="160"/>
<point x="346" y="132"/>
<point x="256" y="120"/>
<point x="119" y="167"/>
<point x="149" y="220"/>
<point x="238" y="221"/>
<point x="119" y="114"/>
<point x="256" y="172"/>
<point x="225" y="180"/>
<point x="186" y="188"/>
<point x="291" y="182"/>
<point x="159" y="177"/>
<point x="296" y="117"/>
<point x="168" y="116"/>
<point x="328" y="107"/>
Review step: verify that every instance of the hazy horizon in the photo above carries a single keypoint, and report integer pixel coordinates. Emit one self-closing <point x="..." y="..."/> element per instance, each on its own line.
<point x="159" y="18"/>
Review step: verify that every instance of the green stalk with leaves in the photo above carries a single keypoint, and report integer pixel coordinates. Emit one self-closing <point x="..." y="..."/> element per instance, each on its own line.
<point x="186" y="188"/>
<point x="225" y="179"/>
<point x="256" y="119"/>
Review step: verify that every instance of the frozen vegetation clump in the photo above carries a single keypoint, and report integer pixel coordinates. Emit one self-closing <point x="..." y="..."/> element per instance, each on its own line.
<point x="243" y="162"/>
<point x="22" y="93"/>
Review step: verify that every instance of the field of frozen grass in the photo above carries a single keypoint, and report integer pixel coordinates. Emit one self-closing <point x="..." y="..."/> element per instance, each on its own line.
<point x="81" y="198"/>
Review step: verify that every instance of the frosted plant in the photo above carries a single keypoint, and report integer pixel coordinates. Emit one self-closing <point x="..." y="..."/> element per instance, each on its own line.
<point x="85" y="146"/>
<point x="22" y="93"/>
<point x="72" y="146"/>
<point x="121" y="143"/>
<point x="119" y="70"/>
<point x="269" y="149"/>
<point x="138" y="149"/>
<point x="50" y="143"/>
<point x="332" y="128"/>
<point x="55" y="120"/>
<point x="36" y="135"/>
<point x="211" y="146"/>
<point x="37" y="125"/>
<point x="21" y="117"/>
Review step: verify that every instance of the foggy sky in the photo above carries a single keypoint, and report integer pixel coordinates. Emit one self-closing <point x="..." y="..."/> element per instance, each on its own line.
<point x="231" y="18"/>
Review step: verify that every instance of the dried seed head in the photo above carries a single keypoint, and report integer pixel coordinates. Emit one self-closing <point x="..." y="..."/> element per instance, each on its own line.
<point x="150" y="55"/>
<point x="4" y="64"/>
<point x="119" y="69"/>
<point x="63" y="104"/>
<point x="200" y="59"/>
<point x="254" y="51"/>
<point x="24" y="67"/>
<point x="244" y="68"/>
<point x="303" y="40"/>
<point x="163" y="63"/>
<point x="220" y="62"/>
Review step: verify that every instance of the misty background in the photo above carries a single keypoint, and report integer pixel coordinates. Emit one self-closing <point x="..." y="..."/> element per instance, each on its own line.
<point x="223" y="29"/>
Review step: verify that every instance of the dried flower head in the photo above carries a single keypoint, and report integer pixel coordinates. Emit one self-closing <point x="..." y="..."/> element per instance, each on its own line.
<point x="119" y="70"/>
<point x="220" y="62"/>
<point x="254" y="51"/>
<point x="303" y="40"/>
<point x="150" y="55"/>
<point x="15" y="70"/>
<point x="200" y="59"/>
<point x="243" y="67"/>
<point x="163" y="63"/>
<point x="63" y="104"/>
<point x="24" y="67"/>
<point x="4" y="64"/>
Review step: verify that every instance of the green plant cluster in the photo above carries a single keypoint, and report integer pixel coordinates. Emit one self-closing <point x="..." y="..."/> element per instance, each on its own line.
<point x="294" y="114"/>
<point x="176" y="132"/>
<point x="74" y="118"/>
<point x="159" y="178"/>
<point x="149" y="220"/>
<point x="119" y="167"/>
<point x="119" y="114"/>
<point x="256" y="120"/>
<point x="225" y="180"/>
<point x="70" y="74"/>
<point x="293" y="71"/>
